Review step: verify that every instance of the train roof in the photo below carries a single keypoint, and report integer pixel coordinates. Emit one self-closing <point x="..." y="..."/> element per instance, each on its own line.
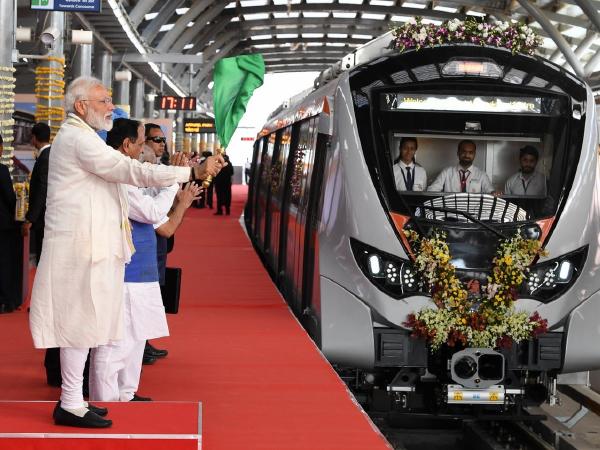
<point x="379" y="51"/>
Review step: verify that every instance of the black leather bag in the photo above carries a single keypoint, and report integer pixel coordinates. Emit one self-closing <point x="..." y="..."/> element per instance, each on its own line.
<point x="171" y="289"/>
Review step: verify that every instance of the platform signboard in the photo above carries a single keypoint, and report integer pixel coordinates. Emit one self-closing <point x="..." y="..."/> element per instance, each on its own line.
<point x="199" y="125"/>
<point x="68" y="5"/>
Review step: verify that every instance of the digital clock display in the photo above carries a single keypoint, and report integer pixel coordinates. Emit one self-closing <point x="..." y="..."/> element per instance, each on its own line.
<point x="178" y="103"/>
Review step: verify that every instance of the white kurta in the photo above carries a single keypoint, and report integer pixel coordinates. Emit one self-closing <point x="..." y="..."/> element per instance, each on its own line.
<point x="148" y="317"/>
<point x="77" y="298"/>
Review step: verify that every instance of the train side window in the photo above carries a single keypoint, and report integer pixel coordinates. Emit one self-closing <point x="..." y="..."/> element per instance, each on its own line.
<point x="303" y="161"/>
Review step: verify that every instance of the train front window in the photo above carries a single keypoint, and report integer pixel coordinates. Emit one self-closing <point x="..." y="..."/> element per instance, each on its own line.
<point x="440" y="144"/>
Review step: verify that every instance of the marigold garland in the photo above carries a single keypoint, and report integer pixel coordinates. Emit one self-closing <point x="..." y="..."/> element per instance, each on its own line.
<point x="470" y="315"/>
<point x="518" y="38"/>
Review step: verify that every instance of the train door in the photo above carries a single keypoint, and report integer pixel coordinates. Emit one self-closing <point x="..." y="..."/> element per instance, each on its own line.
<point x="264" y="177"/>
<point x="298" y="201"/>
<point x="249" y="209"/>
<point x="278" y="176"/>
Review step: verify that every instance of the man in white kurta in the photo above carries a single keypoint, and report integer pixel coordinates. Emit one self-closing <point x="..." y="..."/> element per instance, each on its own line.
<point x="115" y="367"/>
<point x="77" y="297"/>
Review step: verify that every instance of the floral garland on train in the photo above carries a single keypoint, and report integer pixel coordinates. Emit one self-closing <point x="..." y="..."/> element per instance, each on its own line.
<point x="517" y="37"/>
<point x="470" y="315"/>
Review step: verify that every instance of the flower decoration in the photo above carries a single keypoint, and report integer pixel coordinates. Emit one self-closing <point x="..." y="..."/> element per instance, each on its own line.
<point x="519" y="38"/>
<point x="469" y="314"/>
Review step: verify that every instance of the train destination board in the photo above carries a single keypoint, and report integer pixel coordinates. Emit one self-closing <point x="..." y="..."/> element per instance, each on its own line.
<point x="199" y="126"/>
<point x="479" y="103"/>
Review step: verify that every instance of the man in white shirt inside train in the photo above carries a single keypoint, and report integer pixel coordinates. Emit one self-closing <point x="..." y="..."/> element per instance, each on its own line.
<point x="527" y="181"/>
<point x="408" y="175"/>
<point x="464" y="177"/>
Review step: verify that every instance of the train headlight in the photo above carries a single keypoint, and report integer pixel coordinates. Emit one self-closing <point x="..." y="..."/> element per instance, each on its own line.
<point x="394" y="276"/>
<point x="375" y="264"/>
<point x="549" y="279"/>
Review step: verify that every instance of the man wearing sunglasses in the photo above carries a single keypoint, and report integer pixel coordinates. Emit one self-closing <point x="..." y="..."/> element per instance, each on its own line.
<point x="157" y="142"/>
<point x="77" y="297"/>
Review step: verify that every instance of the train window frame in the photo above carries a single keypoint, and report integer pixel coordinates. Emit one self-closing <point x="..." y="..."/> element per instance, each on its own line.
<point x="406" y="204"/>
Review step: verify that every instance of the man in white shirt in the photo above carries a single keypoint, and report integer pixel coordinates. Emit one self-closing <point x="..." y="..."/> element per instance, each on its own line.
<point x="408" y="175"/>
<point x="116" y="367"/>
<point x="465" y="177"/>
<point x="527" y="181"/>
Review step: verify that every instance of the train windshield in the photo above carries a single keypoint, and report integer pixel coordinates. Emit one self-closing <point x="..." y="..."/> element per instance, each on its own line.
<point x="478" y="154"/>
<point x="441" y="144"/>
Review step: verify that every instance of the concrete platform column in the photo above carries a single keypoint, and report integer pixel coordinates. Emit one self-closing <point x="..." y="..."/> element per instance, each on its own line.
<point x="103" y="69"/>
<point x="82" y="61"/>
<point x="150" y="99"/>
<point x="121" y="94"/>
<point x="137" y="99"/>
<point x="7" y="80"/>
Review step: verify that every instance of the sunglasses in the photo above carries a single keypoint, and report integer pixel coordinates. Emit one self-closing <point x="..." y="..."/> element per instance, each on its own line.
<point x="157" y="139"/>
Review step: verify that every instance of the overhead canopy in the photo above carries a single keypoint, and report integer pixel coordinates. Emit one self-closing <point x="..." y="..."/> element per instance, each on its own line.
<point x="310" y="35"/>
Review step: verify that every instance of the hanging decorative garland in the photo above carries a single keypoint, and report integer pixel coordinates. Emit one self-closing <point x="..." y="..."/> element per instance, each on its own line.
<point x="50" y="85"/>
<point x="468" y="314"/>
<point x="415" y="34"/>
<point x="7" y="107"/>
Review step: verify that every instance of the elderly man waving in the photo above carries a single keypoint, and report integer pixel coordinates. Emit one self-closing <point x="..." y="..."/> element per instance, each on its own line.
<point x="77" y="298"/>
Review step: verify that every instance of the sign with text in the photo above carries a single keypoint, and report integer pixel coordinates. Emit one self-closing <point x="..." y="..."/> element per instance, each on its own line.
<point x="68" y="5"/>
<point x="199" y="126"/>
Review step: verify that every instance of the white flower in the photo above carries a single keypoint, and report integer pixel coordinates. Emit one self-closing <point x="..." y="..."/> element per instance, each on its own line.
<point x="485" y="34"/>
<point x="503" y="25"/>
<point x="480" y="26"/>
<point x="454" y="24"/>
<point x="412" y="21"/>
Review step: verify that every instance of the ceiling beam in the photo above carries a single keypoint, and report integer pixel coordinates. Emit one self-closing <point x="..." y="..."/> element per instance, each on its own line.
<point x="164" y="15"/>
<point x="556" y="36"/>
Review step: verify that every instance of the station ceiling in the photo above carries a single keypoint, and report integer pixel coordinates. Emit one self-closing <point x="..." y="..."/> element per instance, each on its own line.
<point x="310" y="35"/>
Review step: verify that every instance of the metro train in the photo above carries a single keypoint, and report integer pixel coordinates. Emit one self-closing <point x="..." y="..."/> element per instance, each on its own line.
<point x="323" y="205"/>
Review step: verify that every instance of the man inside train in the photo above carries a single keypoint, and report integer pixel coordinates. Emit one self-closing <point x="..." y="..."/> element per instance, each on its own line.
<point x="408" y="175"/>
<point x="527" y="181"/>
<point x="464" y="177"/>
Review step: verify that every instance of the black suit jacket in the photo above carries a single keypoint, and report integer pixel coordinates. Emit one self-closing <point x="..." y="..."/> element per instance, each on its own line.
<point x="8" y="200"/>
<point x="38" y="188"/>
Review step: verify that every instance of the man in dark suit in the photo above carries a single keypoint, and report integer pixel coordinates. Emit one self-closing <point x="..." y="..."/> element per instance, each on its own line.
<point x="223" y="188"/>
<point x="8" y="204"/>
<point x="38" y="186"/>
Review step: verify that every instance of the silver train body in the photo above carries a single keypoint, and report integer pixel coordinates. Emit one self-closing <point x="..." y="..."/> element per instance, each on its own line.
<point x="322" y="199"/>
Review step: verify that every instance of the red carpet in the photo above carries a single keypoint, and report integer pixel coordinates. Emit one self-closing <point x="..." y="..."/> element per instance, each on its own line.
<point x="234" y="346"/>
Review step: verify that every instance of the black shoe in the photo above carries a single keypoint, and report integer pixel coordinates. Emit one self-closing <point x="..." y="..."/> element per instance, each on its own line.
<point x="228" y="212"/>
<point x="147" y="360"/>
<point x="137" y="398"/>
<point x="89" y="420"/>
<point x="218" y="213"/>
<point x="150" y="350"/>
<point x="101" y="411"/>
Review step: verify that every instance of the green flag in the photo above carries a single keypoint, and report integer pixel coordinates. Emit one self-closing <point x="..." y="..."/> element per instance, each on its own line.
<point x="234" y="82"/>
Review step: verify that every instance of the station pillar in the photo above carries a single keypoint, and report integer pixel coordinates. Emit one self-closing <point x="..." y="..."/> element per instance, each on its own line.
<point x="82" y="61"/>
<point x="149" y="98"/>
<point x="49" y="78"/>
<point x="121" y="95"/>
<point x="103" y="65"/>
<point x="137" y="99"/>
